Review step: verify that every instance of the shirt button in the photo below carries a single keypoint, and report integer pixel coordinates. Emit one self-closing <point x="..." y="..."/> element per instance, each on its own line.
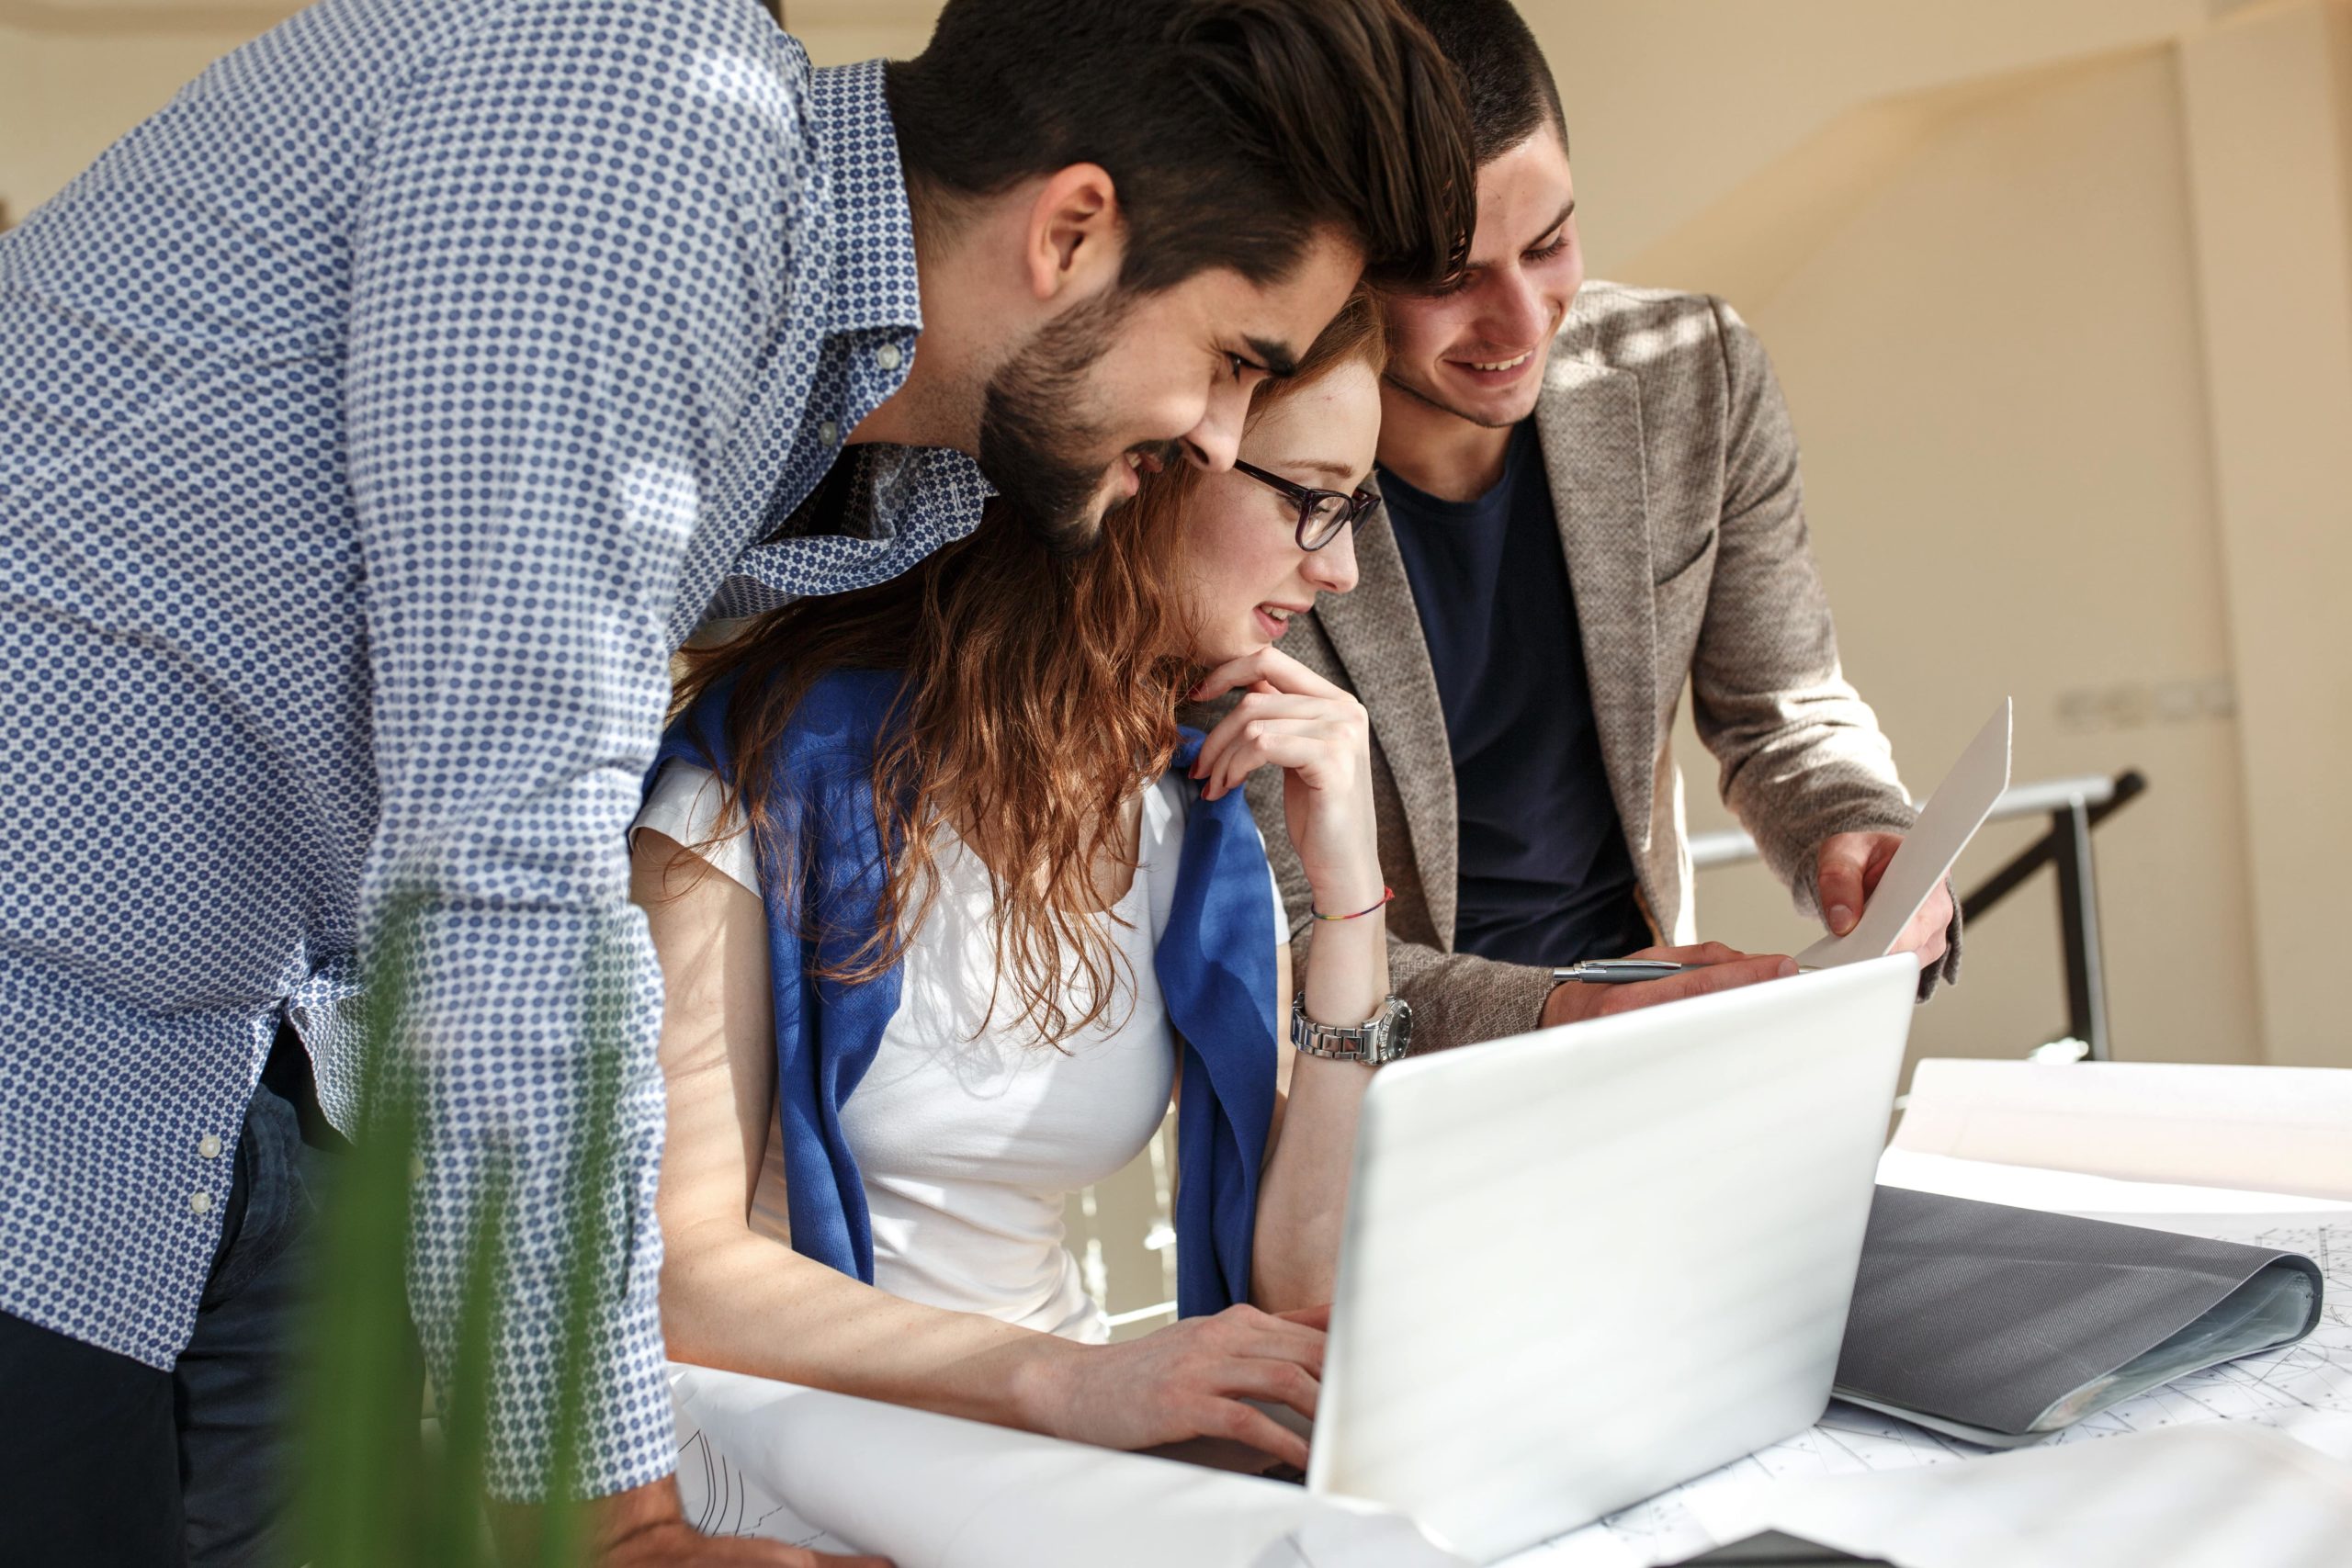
<point x="200" y="1201"/>
<point x="828" y="433"/>
<point x="888" y="357"/>
<point x="208" y="1146"/>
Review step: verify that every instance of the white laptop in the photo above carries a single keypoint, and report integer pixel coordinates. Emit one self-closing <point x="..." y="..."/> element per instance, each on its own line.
<point x="1585" y="1265"/>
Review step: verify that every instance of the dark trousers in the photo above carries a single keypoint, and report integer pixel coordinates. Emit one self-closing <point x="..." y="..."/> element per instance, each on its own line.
<point x="104" y="1459"/>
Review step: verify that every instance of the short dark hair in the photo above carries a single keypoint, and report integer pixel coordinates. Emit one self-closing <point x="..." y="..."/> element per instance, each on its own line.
<point x="1505" y="84"/>
<point x="1233" y="128"/>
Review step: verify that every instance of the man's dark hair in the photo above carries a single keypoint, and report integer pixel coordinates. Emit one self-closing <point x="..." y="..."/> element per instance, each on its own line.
<point x="1233" y="128"/>
<point x="1505" y="84"/>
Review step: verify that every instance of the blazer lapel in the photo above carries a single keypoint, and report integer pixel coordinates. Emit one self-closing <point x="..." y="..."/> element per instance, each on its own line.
<point x="1589" y="423"/>
<point x="1375" y="633"/>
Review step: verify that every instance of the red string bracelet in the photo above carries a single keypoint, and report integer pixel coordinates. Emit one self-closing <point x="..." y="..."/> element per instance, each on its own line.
<point x="1385" y="895"/>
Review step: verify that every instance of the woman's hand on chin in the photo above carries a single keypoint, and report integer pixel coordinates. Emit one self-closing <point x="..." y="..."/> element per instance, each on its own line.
<point x="1290" y="717"/>
<point x="1189" y="1380"/>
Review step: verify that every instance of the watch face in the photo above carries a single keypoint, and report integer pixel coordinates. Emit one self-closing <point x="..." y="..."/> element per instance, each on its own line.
<point x="1400" y="1030"/>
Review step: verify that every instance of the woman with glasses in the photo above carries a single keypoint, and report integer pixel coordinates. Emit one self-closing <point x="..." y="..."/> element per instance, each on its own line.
<point x="949" y="910"/>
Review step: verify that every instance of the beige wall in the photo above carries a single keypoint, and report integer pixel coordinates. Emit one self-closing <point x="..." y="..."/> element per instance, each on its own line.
<point x="2270" y="115"/>
<point x="2069" y="344"/>
<point x="2062" y="295"/>
<point x="1994" y="362"/>
<point x="1673" y="105"/>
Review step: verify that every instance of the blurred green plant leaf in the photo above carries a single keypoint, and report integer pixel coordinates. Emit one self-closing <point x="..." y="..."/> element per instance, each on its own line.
<point x="371" y="1493"/>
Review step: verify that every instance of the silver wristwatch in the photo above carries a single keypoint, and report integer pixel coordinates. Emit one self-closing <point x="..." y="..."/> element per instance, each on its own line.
<point x="1384" y="1037"/>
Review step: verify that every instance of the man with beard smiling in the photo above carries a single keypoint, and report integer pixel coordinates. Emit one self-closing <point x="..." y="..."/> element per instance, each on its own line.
<point x="1591" y="498"/>
<point x="375" y="421"/>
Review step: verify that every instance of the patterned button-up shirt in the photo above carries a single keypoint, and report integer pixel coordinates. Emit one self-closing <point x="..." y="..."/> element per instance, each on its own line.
<point x="375" y="421"/>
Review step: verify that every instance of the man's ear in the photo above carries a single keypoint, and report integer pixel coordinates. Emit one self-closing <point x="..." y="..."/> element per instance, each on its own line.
<point x="1075" y="238"/>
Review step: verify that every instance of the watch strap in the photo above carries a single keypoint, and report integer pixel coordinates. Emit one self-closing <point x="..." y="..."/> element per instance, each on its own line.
<point x="1384" y="1037"/>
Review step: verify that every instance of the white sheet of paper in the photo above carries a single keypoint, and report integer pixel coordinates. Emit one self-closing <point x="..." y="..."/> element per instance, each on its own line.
<point x="720" y="1495"/>
<point x="2276" y="1129"/>
<point x="2205" y="1496"/>
<point x="1946" y="823"/>
<point x="2093" y="1197"/>
<point x="825" y="1470"/>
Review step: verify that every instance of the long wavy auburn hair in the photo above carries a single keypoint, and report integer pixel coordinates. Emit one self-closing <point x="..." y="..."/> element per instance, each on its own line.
<point x="1039" y="697"/>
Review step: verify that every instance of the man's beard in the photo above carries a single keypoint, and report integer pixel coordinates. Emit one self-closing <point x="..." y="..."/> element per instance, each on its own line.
<point x="1041" y="455"/>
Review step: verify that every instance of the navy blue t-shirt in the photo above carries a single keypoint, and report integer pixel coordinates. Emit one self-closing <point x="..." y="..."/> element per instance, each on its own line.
<point x="1545" y="875"/>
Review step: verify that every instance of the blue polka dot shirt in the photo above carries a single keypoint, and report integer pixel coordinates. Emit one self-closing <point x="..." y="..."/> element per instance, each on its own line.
<point x="375" y="422"/>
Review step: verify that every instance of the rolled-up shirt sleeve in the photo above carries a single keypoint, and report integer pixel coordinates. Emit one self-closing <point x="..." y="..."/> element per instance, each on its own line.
<point x="541" y="259"/>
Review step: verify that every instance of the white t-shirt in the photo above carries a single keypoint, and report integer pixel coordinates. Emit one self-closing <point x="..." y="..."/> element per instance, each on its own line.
<point x="968" y="1137"/>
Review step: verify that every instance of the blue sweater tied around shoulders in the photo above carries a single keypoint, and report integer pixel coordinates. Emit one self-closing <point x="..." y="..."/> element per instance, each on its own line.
<point x="822" y="873"/>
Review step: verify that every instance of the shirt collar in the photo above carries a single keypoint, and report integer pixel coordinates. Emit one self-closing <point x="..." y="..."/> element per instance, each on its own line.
<point x="873" y="286"/>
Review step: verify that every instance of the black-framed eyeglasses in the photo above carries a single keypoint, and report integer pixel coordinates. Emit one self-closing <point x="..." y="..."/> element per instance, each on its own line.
<point x="1322" y="514"/>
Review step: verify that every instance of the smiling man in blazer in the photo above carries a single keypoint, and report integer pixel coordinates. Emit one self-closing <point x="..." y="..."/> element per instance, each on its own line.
<point x="1592" y="499"/>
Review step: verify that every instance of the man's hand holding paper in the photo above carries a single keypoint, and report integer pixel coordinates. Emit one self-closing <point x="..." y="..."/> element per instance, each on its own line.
<point x="1909" y="886"/>
<point x="1849" y="870"/>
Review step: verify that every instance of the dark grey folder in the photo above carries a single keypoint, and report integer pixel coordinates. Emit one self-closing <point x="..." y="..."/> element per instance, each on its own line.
<point x="2002" y="1326"/>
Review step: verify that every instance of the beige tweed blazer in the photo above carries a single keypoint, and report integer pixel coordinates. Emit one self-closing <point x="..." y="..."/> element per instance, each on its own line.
<point x="1674" y="475"/>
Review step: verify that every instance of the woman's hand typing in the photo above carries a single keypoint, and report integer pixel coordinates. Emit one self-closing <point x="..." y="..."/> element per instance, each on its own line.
<point x="1189" y="1380"/>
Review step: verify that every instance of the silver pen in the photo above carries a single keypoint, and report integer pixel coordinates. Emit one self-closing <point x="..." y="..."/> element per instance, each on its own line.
<point x="1619" y="971"/>
<point x="1630" y="971"/>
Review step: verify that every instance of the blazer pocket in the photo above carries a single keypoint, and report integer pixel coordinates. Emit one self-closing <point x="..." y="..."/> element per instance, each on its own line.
<point x="1699" y="558"/>
<point x="1680" y="600"/>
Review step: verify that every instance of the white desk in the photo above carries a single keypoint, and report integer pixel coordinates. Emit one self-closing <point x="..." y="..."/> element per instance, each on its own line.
<point x="956" y="1494"/>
